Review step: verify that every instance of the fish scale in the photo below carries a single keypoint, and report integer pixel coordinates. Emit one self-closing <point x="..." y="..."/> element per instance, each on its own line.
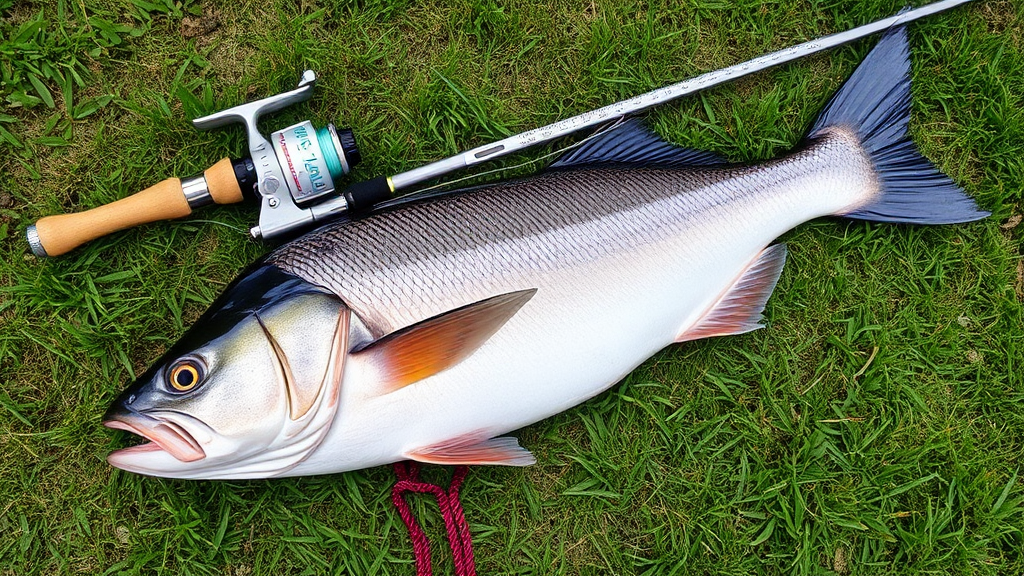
<point x="399" y="267"/>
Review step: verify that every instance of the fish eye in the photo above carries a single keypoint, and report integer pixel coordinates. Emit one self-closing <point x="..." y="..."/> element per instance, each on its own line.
<point x="185" y="374"/>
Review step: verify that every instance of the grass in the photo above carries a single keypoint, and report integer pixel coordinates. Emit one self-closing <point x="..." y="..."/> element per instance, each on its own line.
<point x="876" y="427"/>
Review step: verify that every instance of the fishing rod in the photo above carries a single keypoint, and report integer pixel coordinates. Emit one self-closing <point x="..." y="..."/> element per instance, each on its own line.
<point x="294" y="175"/>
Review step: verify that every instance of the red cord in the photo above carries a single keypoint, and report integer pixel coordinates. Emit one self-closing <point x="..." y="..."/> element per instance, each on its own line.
<point x="451" y="510"/>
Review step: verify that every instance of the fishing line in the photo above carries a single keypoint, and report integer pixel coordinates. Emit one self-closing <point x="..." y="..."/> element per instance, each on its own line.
<point x="224" y="224"/>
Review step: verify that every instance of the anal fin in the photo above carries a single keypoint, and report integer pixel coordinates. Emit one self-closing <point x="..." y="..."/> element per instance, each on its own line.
<point x="474" y="449"/>
<point x="739" y="309"/>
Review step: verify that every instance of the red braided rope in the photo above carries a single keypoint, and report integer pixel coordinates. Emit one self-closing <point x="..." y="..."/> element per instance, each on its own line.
<point x="451" y="511"/>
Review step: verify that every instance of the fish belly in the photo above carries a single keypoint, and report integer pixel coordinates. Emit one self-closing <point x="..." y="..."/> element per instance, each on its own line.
<point x="613" y="288"/>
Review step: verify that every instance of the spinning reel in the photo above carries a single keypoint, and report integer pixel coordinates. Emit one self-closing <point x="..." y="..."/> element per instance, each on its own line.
<point x="294" y="176"/>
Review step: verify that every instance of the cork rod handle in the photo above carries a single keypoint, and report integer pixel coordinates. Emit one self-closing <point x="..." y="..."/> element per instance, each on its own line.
<point x="56" y="235"/>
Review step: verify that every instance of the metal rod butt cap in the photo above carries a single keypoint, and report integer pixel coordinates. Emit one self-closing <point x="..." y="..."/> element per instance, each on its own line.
<point x="34" y="243"/>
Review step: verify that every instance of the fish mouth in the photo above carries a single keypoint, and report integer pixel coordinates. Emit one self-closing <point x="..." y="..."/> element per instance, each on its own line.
<point x="162" y="435"/>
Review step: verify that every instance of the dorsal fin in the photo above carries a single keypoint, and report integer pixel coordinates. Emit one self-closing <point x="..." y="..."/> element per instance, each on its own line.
<point x="632" y="143"/>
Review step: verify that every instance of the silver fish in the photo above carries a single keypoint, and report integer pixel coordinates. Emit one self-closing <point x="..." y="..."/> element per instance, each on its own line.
<point x="428" y="329"/>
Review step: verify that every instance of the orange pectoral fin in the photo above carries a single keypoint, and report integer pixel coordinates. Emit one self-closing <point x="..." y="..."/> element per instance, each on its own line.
<point x="469" y="449"/>
<point x="428" y="347"/>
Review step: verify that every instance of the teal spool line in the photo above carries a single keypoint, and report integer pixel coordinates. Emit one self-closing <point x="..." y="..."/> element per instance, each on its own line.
<point x="323" y="136"/>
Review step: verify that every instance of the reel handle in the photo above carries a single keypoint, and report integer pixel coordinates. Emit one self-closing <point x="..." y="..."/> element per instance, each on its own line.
<point x="172" y="198"/>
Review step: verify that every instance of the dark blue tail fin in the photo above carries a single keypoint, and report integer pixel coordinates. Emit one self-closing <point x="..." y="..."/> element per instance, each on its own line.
<point x="875" y="104"/>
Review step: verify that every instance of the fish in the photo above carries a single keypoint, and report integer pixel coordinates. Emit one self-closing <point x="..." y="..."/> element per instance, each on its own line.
<point x="431" y="328"/>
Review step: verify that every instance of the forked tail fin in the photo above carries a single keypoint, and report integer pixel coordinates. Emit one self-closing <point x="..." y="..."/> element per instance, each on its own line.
<point x="874" y="103"/>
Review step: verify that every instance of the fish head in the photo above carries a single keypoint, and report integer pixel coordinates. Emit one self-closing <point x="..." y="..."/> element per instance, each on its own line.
<point x="249" y="392"/>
